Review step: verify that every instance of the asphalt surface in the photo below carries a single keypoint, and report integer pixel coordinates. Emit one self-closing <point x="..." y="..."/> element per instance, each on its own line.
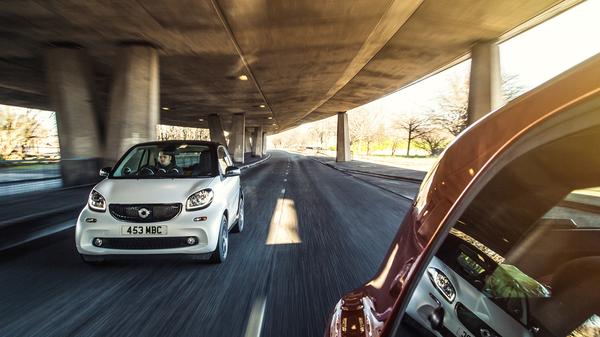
<point x="312" y="233"/>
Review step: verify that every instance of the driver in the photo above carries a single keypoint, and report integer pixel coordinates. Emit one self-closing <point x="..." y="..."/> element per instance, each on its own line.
<point x="166" y="164"/>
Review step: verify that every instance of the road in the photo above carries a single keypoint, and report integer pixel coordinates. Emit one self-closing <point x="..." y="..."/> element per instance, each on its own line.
<point x="312" y="234"/>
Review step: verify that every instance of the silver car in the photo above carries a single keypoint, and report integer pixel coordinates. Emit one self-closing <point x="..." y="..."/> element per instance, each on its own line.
<point x="172" y="197"/>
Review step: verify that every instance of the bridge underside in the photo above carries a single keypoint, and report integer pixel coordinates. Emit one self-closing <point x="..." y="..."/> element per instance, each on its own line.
<point x="304" y="60"/>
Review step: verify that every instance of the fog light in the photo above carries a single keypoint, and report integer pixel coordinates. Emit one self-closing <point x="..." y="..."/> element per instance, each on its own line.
<point x="191" y="240"/>
<point x="97" y="242"/>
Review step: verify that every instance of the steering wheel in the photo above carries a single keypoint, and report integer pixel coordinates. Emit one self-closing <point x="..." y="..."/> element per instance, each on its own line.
<point x="147" y="171"/>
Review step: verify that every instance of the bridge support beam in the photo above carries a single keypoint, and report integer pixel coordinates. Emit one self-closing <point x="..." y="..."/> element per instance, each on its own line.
<point x="343" y="138"/>
<point x="248" y="140"/>
<point x="257" y="146"/>
<point x="133" y="100"/>
<point x="70" y="87"/>
<point x="485" y="90"/>
<point x="215" y="128"/>
<point x="237" y="137"/>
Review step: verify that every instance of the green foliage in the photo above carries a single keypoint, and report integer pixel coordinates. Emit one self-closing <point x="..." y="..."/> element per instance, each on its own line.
<point x="507" y="281"/>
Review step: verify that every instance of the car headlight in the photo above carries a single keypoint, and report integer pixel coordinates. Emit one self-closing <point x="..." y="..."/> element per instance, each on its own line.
<point x="200" y="199"/>
<point x="442" y="283"/>
<point x="97" y="202"/>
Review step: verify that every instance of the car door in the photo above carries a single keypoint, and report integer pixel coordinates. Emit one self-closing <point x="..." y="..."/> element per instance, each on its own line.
<point x="235" y="187"/>
<point x="523" y="258"/>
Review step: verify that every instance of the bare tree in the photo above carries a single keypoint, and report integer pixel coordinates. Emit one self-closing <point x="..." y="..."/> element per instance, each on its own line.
<point x="374" y="136"/>
<point x="511" y="87"/>
<point x="433" y="142"/>
<point x="414" y="128"/>
<point x="170" y="132"/>
<point x="452" y="106"/>
<point x="395" y="138"/>
<point x="19" y="132"/>
<point x="321" y="131"/>
<point x="365" y="128"/>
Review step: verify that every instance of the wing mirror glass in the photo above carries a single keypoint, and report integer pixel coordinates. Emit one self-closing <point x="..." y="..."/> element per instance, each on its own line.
<point x="232" y="171"/>
<point x="105" y="171"/>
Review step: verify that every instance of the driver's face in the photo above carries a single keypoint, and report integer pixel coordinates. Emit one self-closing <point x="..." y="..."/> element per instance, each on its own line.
<point x="164" y="159"/>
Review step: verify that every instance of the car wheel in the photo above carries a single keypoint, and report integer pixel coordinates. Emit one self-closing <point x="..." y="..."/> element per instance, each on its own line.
<point x="220" y="254"/>
<point x="239" y="226"/>
<point x="92" y="259"/>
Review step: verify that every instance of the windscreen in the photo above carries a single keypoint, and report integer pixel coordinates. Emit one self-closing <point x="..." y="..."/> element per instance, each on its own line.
<point x="166" y="161"/>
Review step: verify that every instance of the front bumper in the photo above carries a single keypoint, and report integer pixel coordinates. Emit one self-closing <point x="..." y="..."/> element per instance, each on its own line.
<point x="183" y="225"/>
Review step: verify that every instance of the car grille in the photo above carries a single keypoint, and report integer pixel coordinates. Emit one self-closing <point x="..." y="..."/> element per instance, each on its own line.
<point x="146" y="243"/>
<point x="144" y="212"/>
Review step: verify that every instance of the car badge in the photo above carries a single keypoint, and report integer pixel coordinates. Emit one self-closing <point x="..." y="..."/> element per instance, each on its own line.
<point x="485" y="332"/>
<point x="144" y="213"/>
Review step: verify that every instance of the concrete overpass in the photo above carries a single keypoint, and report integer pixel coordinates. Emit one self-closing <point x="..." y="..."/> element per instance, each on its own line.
<point x="112" y="71"/>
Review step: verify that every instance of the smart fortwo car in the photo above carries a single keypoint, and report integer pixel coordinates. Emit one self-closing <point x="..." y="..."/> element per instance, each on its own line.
<point x="503" y="238"/>
<point x="171" y="197"/>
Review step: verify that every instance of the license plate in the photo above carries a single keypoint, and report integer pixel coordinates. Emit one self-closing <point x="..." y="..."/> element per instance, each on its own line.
<point x="143" y="230"/>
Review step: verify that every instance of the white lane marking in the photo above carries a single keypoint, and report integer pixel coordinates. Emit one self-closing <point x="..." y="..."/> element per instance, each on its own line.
<point x="255" y="321"/>
<point x="285" y="180"/>
<point x="283" y="191"/>
<point x="283" y="229"/>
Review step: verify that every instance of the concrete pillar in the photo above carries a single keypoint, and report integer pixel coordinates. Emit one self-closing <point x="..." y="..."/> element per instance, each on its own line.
<point x="264" y="143"/>
<point x="257" y="147"/>
<point x="70" y="88"/>
<point x="215" y="127"/>
<point x="252" y="136"/>
<point x="237" y="137"/>
<point x="248" y="140"/>
<point x="485" y="85"/>
<point x="134" y="99"/>
<point x="343" y="138"/>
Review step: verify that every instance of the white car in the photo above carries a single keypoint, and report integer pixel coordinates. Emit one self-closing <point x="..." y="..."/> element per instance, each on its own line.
<point x="171" y="197"/>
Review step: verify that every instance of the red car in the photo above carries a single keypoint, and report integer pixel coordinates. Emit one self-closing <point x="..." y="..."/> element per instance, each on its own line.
<point x="503" y="238"/>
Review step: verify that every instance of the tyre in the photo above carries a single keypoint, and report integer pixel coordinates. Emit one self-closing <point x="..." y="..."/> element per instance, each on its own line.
<point x="92" y="259"/>
<point x="239" y="226"/>
<point x="220" y="253"/>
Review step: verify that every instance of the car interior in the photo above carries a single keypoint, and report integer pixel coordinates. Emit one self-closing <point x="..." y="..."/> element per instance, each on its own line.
<point x="193" y="160"/>
<point x="524" y="257"/>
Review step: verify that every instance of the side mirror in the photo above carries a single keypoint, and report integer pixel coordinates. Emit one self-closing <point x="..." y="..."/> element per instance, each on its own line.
<point x="105" y="171"/>
<point x="232" y="171"/>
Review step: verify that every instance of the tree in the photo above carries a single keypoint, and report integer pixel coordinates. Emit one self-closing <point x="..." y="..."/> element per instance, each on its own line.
<point x="414" y="128"/>
<point x="365" y="128"/>
<point x="452" y="107"/>
<point x="433" y="142"/>
<point x="170" y="132"/>
<point x="451" y="113"/>
<point x="19" y="131"/>
<point x="396" y="139"/>
<point x="321" y="131"/>
<point x="511" y="87"/>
